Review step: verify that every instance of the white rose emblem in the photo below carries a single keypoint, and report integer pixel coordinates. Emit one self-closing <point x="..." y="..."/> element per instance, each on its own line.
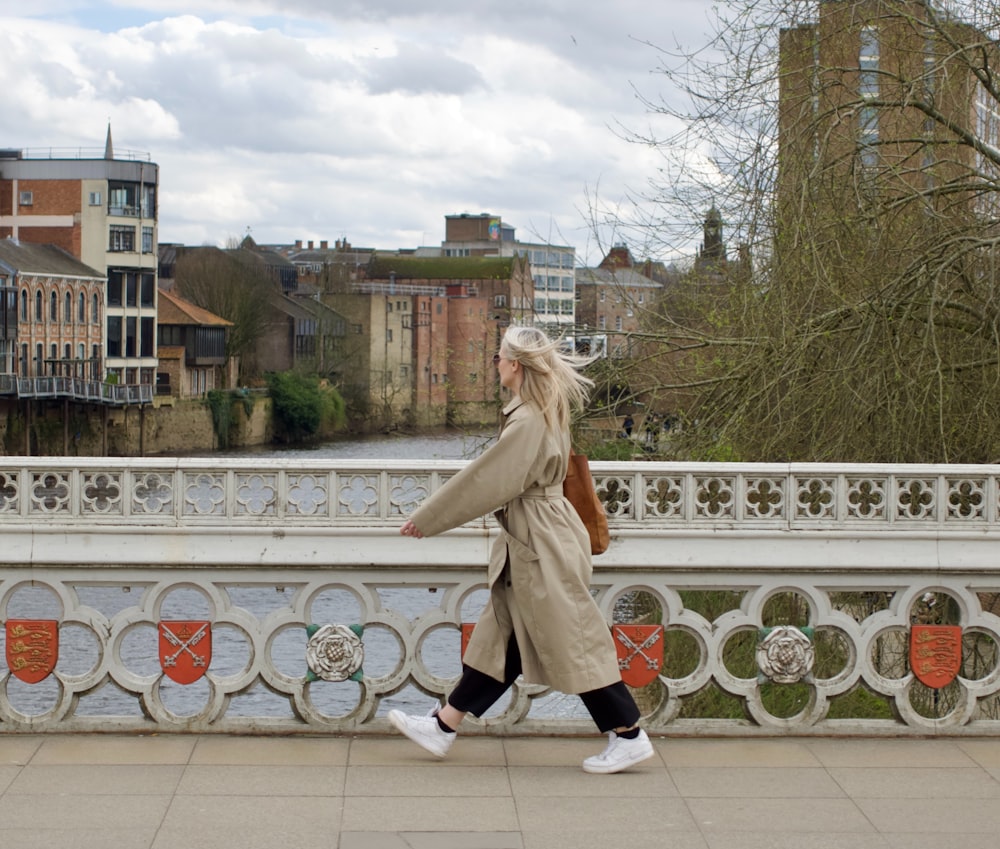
<point x="335" y="652"/>
<point x="785" y="655"/>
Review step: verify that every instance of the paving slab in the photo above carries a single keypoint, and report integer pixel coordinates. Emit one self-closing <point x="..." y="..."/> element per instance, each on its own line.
<point x="81" y="791"/>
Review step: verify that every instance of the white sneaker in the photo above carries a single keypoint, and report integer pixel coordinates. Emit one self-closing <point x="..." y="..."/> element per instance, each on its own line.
<point x="424" y="731"/>
<point x="620" y="754"/>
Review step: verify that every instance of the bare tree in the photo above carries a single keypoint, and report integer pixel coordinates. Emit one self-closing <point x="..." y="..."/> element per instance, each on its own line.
<point x="854" y="150"/>
<point x="215" y="281"/>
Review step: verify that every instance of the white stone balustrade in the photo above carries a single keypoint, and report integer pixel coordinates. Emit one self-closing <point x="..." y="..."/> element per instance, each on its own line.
<point x="849" y="556"/>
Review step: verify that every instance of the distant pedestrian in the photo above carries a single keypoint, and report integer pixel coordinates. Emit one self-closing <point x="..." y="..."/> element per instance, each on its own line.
<point x="652" y="426"/>
<point x="627" y="426"/>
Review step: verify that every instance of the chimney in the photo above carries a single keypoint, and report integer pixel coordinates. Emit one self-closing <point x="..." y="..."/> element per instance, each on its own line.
<point x="298" y="244"/>
<point x="310" y="244"/>
<point x="324" y="245"/>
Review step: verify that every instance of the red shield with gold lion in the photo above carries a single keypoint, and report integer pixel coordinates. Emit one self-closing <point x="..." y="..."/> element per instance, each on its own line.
<point x="640" y="652"/>
<point x="185" y="649"/>
<point x="935" y="654"/>
<point x="32" y="648"/>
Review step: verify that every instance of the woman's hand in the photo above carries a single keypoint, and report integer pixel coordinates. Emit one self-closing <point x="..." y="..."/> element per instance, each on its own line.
<point x="410" y="530"/>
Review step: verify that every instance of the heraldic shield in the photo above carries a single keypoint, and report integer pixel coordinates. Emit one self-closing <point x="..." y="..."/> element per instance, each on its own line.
<point x="935" y="654"/>
<point x="185" y="649"/>
<point x="640" y="652"/>
<point x="32" y="648"/>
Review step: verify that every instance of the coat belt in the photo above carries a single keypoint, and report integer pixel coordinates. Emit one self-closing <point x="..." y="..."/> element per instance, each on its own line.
<point x="553" y="491"/>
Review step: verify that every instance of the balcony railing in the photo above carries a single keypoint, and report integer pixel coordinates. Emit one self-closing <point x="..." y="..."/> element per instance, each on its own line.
<point x="794" y="599"/>
<point x="76" y="388"/>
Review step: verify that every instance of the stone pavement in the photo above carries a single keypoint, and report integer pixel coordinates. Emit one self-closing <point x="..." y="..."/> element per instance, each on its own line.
<point x="78" y="791"/>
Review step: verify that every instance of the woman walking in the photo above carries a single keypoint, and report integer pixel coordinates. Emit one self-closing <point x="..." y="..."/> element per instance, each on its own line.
<point x="541" y="620"/>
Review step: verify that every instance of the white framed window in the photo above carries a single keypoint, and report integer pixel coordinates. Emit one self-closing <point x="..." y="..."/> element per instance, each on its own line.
<point x="121" y="239"/>
<point x="26" y="198"/>
<point x="94" y="199"/>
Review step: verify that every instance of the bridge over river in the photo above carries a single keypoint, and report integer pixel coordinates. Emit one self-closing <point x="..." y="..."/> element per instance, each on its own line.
<point x="275" y="596"/>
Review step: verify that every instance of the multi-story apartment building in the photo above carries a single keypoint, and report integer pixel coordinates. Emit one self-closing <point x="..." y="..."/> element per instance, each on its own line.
<point x="552" y="266"/>
<point x="102" y="209"/>
<point x="886" y="120"/>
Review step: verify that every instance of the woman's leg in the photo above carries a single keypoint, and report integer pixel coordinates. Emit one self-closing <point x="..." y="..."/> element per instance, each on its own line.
<point x="612" y="708"/>
<point x="477" y="692"/>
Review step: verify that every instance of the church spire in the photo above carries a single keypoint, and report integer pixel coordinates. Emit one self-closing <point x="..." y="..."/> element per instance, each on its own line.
<point x="109" y="150"/>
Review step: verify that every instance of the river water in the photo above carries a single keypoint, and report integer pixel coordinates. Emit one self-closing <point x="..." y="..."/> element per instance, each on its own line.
<point x="78" y="650"/>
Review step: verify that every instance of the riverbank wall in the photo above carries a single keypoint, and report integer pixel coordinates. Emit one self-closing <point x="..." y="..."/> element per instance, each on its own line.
<point x="167" y="426"/>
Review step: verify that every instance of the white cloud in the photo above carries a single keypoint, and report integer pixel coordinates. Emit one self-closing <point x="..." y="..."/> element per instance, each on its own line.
<point x="370" y="119"/>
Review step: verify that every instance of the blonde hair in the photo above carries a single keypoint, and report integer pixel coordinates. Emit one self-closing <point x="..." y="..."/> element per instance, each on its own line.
<point x="551" y="376"/>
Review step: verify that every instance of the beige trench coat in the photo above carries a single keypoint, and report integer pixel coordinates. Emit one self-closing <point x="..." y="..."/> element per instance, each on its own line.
<point x="543" y="597"/>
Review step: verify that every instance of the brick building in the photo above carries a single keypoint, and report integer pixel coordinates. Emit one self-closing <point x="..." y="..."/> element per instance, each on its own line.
<point x="53" y="307"/>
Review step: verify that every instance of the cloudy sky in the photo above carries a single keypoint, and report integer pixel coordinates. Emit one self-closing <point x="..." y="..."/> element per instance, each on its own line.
<point x="364" y="119"/>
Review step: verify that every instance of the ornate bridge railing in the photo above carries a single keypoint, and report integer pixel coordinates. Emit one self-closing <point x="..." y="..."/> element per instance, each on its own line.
<point x="276" y="596"/>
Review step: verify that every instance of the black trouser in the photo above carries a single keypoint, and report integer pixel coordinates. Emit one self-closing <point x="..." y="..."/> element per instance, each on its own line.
<point x="610" y="707"/>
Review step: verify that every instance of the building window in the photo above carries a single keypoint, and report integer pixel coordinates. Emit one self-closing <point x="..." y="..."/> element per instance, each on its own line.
<point x="500" y="301"/>
<point x="147" y="336"/>
<point x="94" y="199"/>
<point x="114" y="335"/>
<point x="868" y="91"/>
<point x="602" y="322"/>
<point x="39" y="358"/>
<point x="53" y="307"/>
<point x="68" y="308"/>
<point x="147" y="240"/>
<point x="95" y="311"/>
<point x="26" y="198"/>
<point x="81" y="310"/>
<point x="121" y="239"/>
<point x="39" y="315"/>
<point x="147" y="289"/>
<point x="618" y="322"/>
<point x="130" y="337"/>
<point x="24" y="305"/>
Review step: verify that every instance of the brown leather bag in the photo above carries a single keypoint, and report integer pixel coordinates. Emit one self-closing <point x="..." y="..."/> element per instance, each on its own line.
<point x="579" y="489"/>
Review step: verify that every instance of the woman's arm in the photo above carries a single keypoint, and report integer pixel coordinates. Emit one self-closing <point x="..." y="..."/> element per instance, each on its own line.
<point x="495" y="477"/>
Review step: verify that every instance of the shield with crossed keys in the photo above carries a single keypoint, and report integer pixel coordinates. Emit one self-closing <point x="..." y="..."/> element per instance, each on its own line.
<point x="185" y="649"/>
<point x="640" y="652"/>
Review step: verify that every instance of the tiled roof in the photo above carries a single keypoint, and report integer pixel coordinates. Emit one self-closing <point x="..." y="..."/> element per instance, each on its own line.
<point x="173" y="309"/>
<point x="26" y="258"/>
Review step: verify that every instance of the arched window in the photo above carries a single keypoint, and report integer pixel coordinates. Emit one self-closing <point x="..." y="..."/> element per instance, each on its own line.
<point x="24" y="305"/>
<point x="95" y="315"/>
<point x="81" y="311"/>
<point x="68" y="308"/>
<point x="38" y="305"/>
<point x="53" y="307"/>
